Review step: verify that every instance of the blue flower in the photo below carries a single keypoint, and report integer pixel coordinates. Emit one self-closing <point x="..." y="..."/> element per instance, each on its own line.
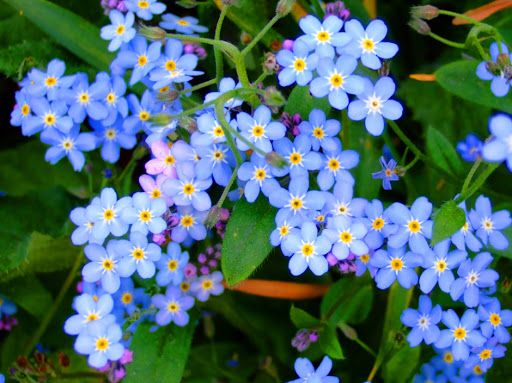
<point x="379" y="223"/>
<point x="387" y="174"/>
<point x="258" y="129"/>
<point x="114" y="101"/>
<point x="141" y="112"/>
<point x="334" y="167"/>
<point x="340" y="201"/>
<point x="7" y="307"/>
<point x="111" y="138"/>
<point x="211" y="130"/>
<point x="484" y="356"/>
<point x="82" y="233"/>
<point x="207" y="285"/>
<point x="172" y="307"/>
<point x="103" y="265"/>
<point x="473" y="276"/>
<point x="189" y="191"/>
<point x="258" y="175"/>
<point x="308" y="249"/>
<point x="500" y="148"/>
<point x="323" y="36"/>
<point x="225" y="85"/>
<point x="461" y="334"/>
<point x="346" y="236"/>
<point x="395" y="264"/>
<point x="374" y="105"/>
<point x="217" y="161"/>
<point x="171" y="265"/>
<point x="500" y="84"/>
<point x="173" y="66"/>
<point x="444" y="362"/>
<point x="438" y="265"/>
<point x="298" y="65"/>
<point x="301" y="159"/>
<point x="126" y="299"/>
<point x="105" y="215"/>
<point x="495" y="320"/>
<point x="367" y="44"/>
<point x="21" y="111"/>
<point x="307" y="374"/>
<point x="141" y="58"/>
<point x="137" y="254"/>
<point x="120" y="31"/>
<point x="489" y="224"/>
<point x="423" y="322"/>
<point x="101" y="343"/>
<point x="85" y="100"/>
<point x="71" y="145"/>
<point x="471" y="149"/>
<point x="190" y="225"/>
<point x="89" y="311"/>
<point x="429" y="375"/>
<point x="321" y="131"/>
<point x="146" y="214"/>
<point x="145" y="9"/>
<point x="363" y="263"/>
<point x="50" y="83"/>
<point x="187" y="25"/>
<point x="47" y="115"/>
<point x="337" y="80"/>
<point x="413" y="226"/>
<point x="284" y="227"/>
<point x="297" y="200"/>
<point x="465" y="237"/>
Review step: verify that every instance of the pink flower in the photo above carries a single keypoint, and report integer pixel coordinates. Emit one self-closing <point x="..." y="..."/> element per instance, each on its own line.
<point x="164" y="163"/>
<point x="154" y="188"/>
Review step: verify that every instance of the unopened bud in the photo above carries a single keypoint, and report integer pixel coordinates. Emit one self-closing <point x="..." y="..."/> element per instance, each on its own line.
<point x="151" y="33"/>
<point x="276" y="160"/>
<point x="245" y="38"/>
<point x="213" y="216"/>
<point x="493" y="68"/>
<point x="384" y="69"/>
<point x="419" y="26"/>
<point x="426" y="12"/>
<point x="284" y="7"/>
<point x="399" y="171"/>
<point x="275" y="45"/>
<point x="270" y="65"/>
<point x="64" y="360"/>
<point x="126" y="336"/>
<point x="167" y="95"/>
<point x="188" y="4"/>
<point x="188" y="123"/>
<point x="288" y="44"/>
<point x="503" y="60"/>
<point x="273" y="97"/>
<point x="348" y="331"/>
<point x="160" y="119"/>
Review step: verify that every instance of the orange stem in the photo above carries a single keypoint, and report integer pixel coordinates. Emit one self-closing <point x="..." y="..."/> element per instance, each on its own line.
<point x="484" y="11"/>
<point x="423" y="77"/>
<point x="279" y="289"/>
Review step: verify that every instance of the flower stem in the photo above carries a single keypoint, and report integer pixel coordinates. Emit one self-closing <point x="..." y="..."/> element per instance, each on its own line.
<point x="461" y="16"/>
<point x="223" y="45"/>
<point x="491" y="167"/>
<point x="318" y="9"/>
<point x="366" y="347"/>
<point x="412" y="163"/>
<point x="219" y="63"/>
<point x="254" y="41"/>
<point x="446" y="41"/>
<point x="471" y="174"/>
<point x="199" y="86"/>
<point x="228" y="187"/>
<point x="259" y="80"/>
<point x="219" y="110"/>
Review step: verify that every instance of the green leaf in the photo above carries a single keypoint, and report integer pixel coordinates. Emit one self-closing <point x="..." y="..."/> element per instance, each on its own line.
<point x="28" y="293"/>
<point x="302" y="319"/>
<point x="162" y="354"/>
<point x="73" y="32"/>
<point x="443" y="153"/>
<point x="447" y="221"/>
<point x="63" y="255"/>
<point x="247" y="243"/>
<point x="301" y="102"/>
<point x="329" y="343"/>
<point x="23" y="169"/>
<point x="460" y="78"/>
<point x="402" y="365"/>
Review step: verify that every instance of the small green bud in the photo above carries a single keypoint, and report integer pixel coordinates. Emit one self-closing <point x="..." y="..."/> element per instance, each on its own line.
<point x="276" y="160"/>
<point x="273" y="97"/>
<point x="126" y="336"/>
<point x="384" y="69"/>
<point x="493" y="68"/>
<point x="270" y="65"/>
<point x="168" y="96"/>
<point x="151" y="33"/>
<point x="399" y="171"/>
<point x="419" y="26"/>
<point x="160" y="119"/>
<point x="348" y="331"/>
<point x="188" y="4"/>
<point x="284" y="7"/>
<point x="188" y="123"/>
<point x="213" y="217"/>
<point x="426" y="12"/>
<point x="503" y="60"/>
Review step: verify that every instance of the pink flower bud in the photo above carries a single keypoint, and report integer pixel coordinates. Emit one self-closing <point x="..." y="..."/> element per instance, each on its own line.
<point x="288" y="44"/>
<point x="331" y="259"/>
<point x="201" y="258"/>
<point x="159" y="239"/>
<point x="204" y="270"/>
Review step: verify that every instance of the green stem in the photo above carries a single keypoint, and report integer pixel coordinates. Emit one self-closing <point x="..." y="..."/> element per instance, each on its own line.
<point x="126" y="169"/>
<point x="254" y="41"/>
<point x="228" y="187"/>
<point x="471" y="174"/>
<point x="199" y="86"/>
<point x="219" y="63"/>
<point x="366" y="347"/>
<point x="223" y="45"/>
<point x="259" y="80"/>
<point x="446" y="41"/>
<point x="49" y="315"/>
<point x="412" y="163"/>
<point x="491" y="167"/>
<point x="80" y="374"/>
<point x="461" y="16"/>
<point x="219" y="110"/>
<point x="485" y="56"/>
<point x="318" y="9"/>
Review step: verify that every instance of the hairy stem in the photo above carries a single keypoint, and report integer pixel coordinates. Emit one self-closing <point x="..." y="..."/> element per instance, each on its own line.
<point x="254" y="41"/>
<point x="219" y="63"/>
<point x="446" y="41"/>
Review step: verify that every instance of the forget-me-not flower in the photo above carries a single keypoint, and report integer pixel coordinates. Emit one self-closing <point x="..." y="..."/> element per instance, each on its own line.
<point x="323" y="36"/>
<point x="500" y="148"/>
<point x="145" y="9"/>
<point x="172" y="307"/>
<point x="298" y="65"/>
<point x="423" y="322"/>
<point x="395" y="264"/>
<point x="500" y="84"/>
<point x="489" y="224"/>
<point x="187" y="25"/>
<point x="120" y="31"/>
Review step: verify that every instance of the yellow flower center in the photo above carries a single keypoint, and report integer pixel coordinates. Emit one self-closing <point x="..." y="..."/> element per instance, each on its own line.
<point x="108" y="214"/>
<point x="218" y="155"/>
<point x="207" y="285"/>
<point x="257" y="131"/>
<point x="368" y="45"/>
<point x="138" y="254"/>
<point x="84" y="98"/>
<point x="144" y="115"/>
<point x="295" y="158"/>
<point x="120" y="30"/>
<point x="365" y="258"/>
<point x="414" y="226"/>
<point x="218" y="132"/>
<point x="183" y="23"/>
<point x="49" y="119"/>
<point x="318" y="133"/>
<point x="307" y="249"/>
<point x="145" y="216"/>
<point x="188" y="189"/>
<point x="440" y="266"/>
<point x="25" y="109"/>
<point x="172" y="265"/>
<point x="67" y="145"/>
<point x="342" y="209"/>
<point x="164" y="89"/>
<point x="485" y="354"/>
<point x="284" y="230"/>
<point x="323" y="36"/>
<point x="448" y="357"/>
<point x="127" y="298"/>
<point x="156" y="193"/>
<point x="111" y="97"/>
<point x="184" y="286"/>
<point x="110" y="134"/>
<point x="378" y="223"/>
<point x="477" y="370"/>
<point x="102" y="344"/>
<point x="260" y="174"/>
<point x="108" y="264"/>
<point x="51" y="81"/>
<point x="143" y="60"/>
<point x="346" y="237"/>
<point x="187" y="221"/>
<point x="495" y="319"/>
<point x="143" y="4"/>
<point x="397" y="264"/>
<point x="92" y="317"/>
<point x="173" y="307"/>
<point x="169" y="160"/>
<point x="334" y="164"/>
<point x="299" y="65"/>
<point x="336" y="80"/>
<point x="465" y="227"/>
<point x="460" y="333"/>
<point x="296" y="203"/>
<point x="487" y="224"/>
<point x="320" y="218"/>
<point x="170" y="65"/>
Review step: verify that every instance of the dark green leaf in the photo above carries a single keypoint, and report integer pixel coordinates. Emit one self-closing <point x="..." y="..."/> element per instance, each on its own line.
<point x="402" y="365"/>
<point x="162" y="354"/>
<point x="448" y="220"/>
<point x="302" y="319"/>
<point x="73" y="32"/>
<point x="28" y="293"/>
<point x="329" y="343"/>
<point x="460" y="79"/>
<point x="247" y="240"/>
<point x="443" y="153"/>
<point x="301" y="102"/>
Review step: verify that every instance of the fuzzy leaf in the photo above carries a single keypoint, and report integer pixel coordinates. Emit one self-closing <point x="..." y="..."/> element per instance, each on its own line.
<point x="301" y="319"/>
<point x="443" y="153"/>
<point x="329" y="343"/>
<point x="448" y="220"/>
